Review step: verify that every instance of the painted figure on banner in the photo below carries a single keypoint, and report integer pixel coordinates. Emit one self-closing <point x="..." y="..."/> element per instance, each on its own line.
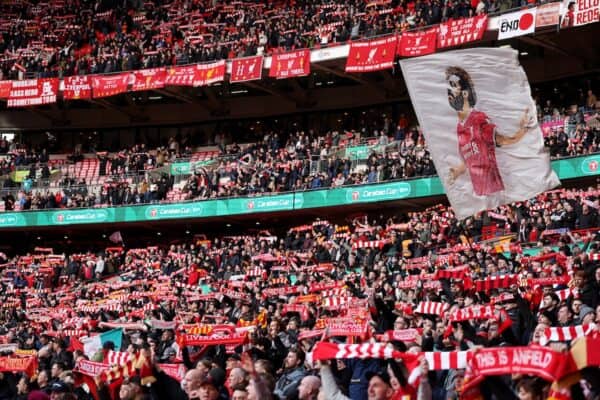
<point x="478" y="137"/>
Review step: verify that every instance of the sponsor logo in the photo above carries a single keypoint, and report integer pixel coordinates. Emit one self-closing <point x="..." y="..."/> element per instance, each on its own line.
<point x="391" y="191"/>
<point x="590" y="165"/>
<point x="174" y="211"/>
<point x="80" y="217"/>
<point x="523" y="23"/>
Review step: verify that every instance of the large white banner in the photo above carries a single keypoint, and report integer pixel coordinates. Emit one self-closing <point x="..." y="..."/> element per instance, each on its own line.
<point x="479" y="121"/>
<point x="579" y="12"/>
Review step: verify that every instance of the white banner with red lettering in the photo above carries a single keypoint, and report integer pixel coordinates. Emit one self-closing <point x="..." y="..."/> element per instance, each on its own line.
<point x="372" y="55"/>
<point x="77" y="87"/>
<point x="148" y="79"/>
<point x="246" y="69"/>
<point x="460" y="31"/>
<point x="206" y="74"/>
<point x="547" y="15"/>
<point x="291" y="64"/>
<point x="33" y="92"/>
<point x="478" y="116"/>
<point x="579" y="12"/>
<point x="421" y="43"/>
<point x="109" y="85"/>
<point x="516" y="23"/>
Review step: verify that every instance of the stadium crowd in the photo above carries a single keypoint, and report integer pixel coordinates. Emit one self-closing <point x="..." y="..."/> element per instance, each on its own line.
<point x="278" y="161"/>
<point x="68" y="37"/>
<point x="247" y="317"/>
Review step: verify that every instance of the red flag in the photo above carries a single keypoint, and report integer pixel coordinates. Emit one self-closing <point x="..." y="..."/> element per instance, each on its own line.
<point x="246" y="69"/>
<point x="33" y="92"/>
<point x="420" y="43"/>
<point x="457" y="32"/>
<point x="147" y="79"/>
<point x="77" y="87"/>
<point x="180" y="76"/>
<point x="5" y="87"/>
<point x="372" y="55"/>
<point x="289" y="65"/>
<point x="116" y="237"/>
<point x="104" y="86"/>
<point x="206" y="74"/>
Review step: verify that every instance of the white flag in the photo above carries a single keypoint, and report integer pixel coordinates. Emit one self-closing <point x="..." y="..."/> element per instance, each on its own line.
<point x="479" y="121"/>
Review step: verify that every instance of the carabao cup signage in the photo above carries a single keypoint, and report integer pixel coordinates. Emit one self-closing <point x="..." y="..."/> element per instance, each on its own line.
<point x="274" y="203"/>
<point x="88" y="216"/>
<point x="590" y="165"/>
<point x="10" y="219"/>
<point x="382" y="192"/>
<point x="174" y="211"/>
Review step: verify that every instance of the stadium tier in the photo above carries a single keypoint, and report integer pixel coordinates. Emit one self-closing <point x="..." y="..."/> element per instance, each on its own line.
<point x="405" y="207"/>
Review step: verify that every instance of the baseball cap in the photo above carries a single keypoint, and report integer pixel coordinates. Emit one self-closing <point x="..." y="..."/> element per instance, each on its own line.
<point x="60" y="387"/>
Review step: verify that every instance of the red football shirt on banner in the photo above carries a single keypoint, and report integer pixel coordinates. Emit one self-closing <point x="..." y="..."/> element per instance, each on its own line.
<point x="148" y="79"/>
<point x="289" y="65"/>
<point x="77" y="87"/>
<point x="420" y="43"/>
<point x="246" y="69"/>
<point x="372" y="55"/>
<point x="110" y="85"/>
<point x="457" y="32"/>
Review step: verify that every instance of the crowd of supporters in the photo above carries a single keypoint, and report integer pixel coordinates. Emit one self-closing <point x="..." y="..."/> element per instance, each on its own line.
<point x="68" y="37"/>
<point x="246" y="317"/>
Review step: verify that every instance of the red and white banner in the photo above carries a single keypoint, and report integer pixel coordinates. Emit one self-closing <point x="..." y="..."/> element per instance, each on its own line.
<point x="33" y="92"/>
<point x="328" y="351"/>
<point x="289" y="65"/>
<point x="547" y="15"/>
<point x="148" y="79"/>
<point x="413" y="44"/>
<point x="90" y="368"/>
<point x="460" y="31"/>
<point x="175" y="371"/>
<point x="104" y="86"/>
<point x="246" y="69"/>
<point x="431" y="307"/>
<point x="579" y="12"/>
<point x="533" y="360"/>
<point x="565" y="333"/>
<point x="180" y="76"/>
<point x="77" y="87"/>
<point x="516" y="23"/>
<point x="206" y="74"/>
<point x="372" y="55"/>
<point x="5" y="87"/>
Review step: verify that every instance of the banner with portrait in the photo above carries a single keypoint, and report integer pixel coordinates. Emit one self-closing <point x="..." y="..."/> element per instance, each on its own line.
<point x="479" y="121"/>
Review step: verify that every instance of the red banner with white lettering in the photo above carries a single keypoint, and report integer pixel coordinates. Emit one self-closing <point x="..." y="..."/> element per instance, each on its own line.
<point x="372" y="55"/>
<point x="33" y="92"/>
<point x="180" y="76"/>
<point x="19" y="364"/>
<point x="148" y="79"/>
<point x="206" y="74"/>
<point x="5" y="87"/>
<point x="104" y="86"/>
<point x="460" y="31"/>
<point x="413" y="44"/>
<point x="77" y="87"/>
<point x="289" y="65"/>
<point x="246" y="69"/>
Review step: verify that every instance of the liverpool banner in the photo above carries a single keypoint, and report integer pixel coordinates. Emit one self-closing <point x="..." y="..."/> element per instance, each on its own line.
<point x="289" y="65"/>
<point x="420" y="43"/>
<point x="479" y="120"/>
<point x="372" y="55"/>
<point x="5" y="87"/>
<point x="457" y="32"/>
<point x="32" y="92"/>
<point x="104" y="86"/>
<point x="206" y="74"/>
<point x="148" y="79"/>
<point x="77" y="87"/>
<point x="246" y="69"/>
<point x="579" y="12"/>
<point x="180" y="76"/>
